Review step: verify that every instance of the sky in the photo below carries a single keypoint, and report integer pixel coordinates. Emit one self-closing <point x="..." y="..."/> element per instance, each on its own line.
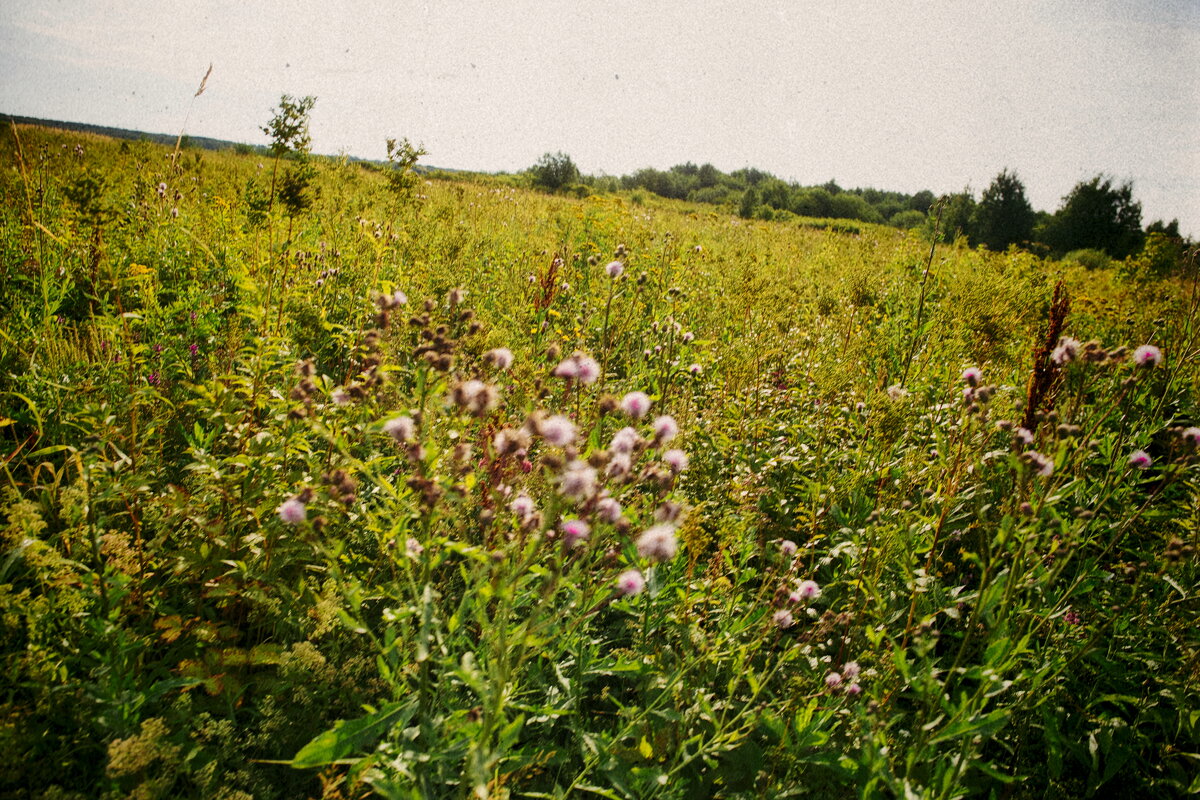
<point x="898" y="95"/>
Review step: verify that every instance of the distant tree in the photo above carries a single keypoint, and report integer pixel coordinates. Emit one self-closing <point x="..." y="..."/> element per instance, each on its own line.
<point x="1096" y="215"/>
<point x="922" y="201"/>
<point x="957" y="212"/>
<point x="909" y="218"/>
<point x="1003" y="215"/>
<point x="853" y="206"/>
<point x="1170" y="229"/>
<point x="707" y="176"/>
<point x="831" y="187"/>
<point x="815" y="202"/>
<point x="402" y="156"/>
<point x="554" y="171"/>
<point x="774" y="193"/>
<point x="290" y="140"/>
<point x="749" y="204"/>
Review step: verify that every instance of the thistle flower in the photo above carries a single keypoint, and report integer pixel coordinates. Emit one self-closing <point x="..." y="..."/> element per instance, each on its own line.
<point x="630" y="582"/>
<point x="413" y="548"/>
<point x="896" y="392"/>
<point x="658" y="543"/>
<point x="1041" y="464"/>
<point x="522" y="507"/>
<point x="971" y="376"/>
<point x="783" y="619"/>
<point x="293" y="512"/>
<point x="608" y="509"/>
<point x="808" y="590"/>
<point x="620" y="465"/>
<point x="401" y="428"/>
<point x="574" y="531"/>
<point x="1023" y="436"/>
<point x="687" y="337"/>
<point x="635" y="404"/>
<point x="676" y="459"/>
<point x="578" y="482"/>
<point x="399" y="298"/>
<point x="340" y="397"/>
<point x="1191" y="436"/>
<point x="1147" y="356"/>
<point x="833" y="680"/>
<point x="695" y="369"/>
<point x="558" y="431"/>
<point x="614" y="269"/>
<point x="850" y="670"/>
<point x="501" y="358"/>
<point x="1140" y="459"/>
<point x="1066" y="352"/>
<point x="787" y="548"/>
<point x="625" y="441"/>
<point x="665" y="429"/>
<point x="853" y="689"/>
<point x="578" y="367"/>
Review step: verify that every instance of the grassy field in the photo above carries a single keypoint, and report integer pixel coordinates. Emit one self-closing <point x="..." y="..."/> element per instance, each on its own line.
<point x="447" y="488"/>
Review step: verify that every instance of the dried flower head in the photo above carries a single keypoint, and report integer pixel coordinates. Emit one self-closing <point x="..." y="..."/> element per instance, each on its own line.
<point x="1066" y="352"/>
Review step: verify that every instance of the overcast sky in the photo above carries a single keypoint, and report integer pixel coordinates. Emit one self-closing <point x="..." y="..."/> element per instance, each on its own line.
<point x="894" y="95"/>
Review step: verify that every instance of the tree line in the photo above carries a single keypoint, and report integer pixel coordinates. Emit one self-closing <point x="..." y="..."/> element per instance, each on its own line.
<point x="1098" y="221"/>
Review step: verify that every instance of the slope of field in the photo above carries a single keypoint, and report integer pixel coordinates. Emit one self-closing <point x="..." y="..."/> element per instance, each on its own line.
<point x="884" y="520"/>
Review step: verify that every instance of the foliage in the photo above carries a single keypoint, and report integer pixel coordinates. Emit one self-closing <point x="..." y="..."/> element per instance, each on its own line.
<point x="1003" y="216"/>
<point x="1097" y="215"/>
<point x="301" y="517"/>
<point x="554" y="171"/>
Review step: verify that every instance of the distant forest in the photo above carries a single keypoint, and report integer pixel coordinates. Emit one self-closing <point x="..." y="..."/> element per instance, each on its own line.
<point x="1097" y="223"/>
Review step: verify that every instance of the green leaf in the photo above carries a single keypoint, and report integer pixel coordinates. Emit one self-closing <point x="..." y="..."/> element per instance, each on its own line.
<point x="347" y="737"/>
<point x="986" y="725"/>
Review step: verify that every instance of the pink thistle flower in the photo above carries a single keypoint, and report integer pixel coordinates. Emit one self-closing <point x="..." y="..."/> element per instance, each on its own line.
<point x="658" y="543"/>
<point x="695" y="369"/>
<point x="589" y="370"/>
<point x="808" y="590"/>
<point x="665" y="428"/>
<point x="293" y="511"/>
<point x="788" y="548"/>
<point x="578" y="482"/>
<point x="501" y="358"/>
<point x="578" y="367"/>
<point x="522" y="506"/>
<point x="687" y="337"/>
<point x="399" y="298"/>
<point x="1023" y="435"/>
<point x="853" y="689"/>
<point x="833" y="680"/>
<point x="1147" y="356"/>
<point x="783" y="619"/>
<point x="850" y="670"/>
<point x="676" y="459"/>
<point x="413" y="548"/>
<point x="558" y="431"/>
<point x="1191" y="436"/>
<point x="1140" y="459"/>
<point x="608" y="509"/>
<point x="625" y="441"/>
<point x="635" y="404"/>
<point x="630" y="582"/>
<point x="574" y="531"/>
<point x="340" y="397"/>
<point x="614" y="269"/>
<point x="619" y="465"/>
<point x="971" y="376"/>
<point x="1066" y="352"/>
<point x="402" y="429"/>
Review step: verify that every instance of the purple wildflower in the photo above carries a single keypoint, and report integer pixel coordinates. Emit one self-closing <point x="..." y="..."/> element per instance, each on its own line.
<point x="1140" y="459"/>
<point x="635" y="404"/>
<point x="193" y="348"/>
<point x="292" y="511"/>
<point x="665" y="428"/>
<point x="578" y="482"/>
<point x="558" y="431"/>
<point x="833" y="680"/>
<point x="1066" y="352"/>
<point x="676" y="459"/>
<point x="850" y="670"/>
<point x="783" y="619"/>
<point x="501" y="358"/>
<point x="1147" y="356"/>
<point x="808" y="590"/>
<point x="630" y="582"/>
<point x="788" y="548"/>
<point x="401" y="428"/>
<point x="608" y="509"/>
<point x="1041" y="464"/>
<point x="971" y="376"/>
<point x="658" y="543"/>
<point x="574" y="531"/>
<point x="614" y="269"/>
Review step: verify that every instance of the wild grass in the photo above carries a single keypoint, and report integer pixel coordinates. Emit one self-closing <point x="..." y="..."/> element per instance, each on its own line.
<point x="280" y="520"/>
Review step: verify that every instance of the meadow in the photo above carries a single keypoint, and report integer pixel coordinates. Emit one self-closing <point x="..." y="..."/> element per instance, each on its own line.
<point x="324" y="480"/>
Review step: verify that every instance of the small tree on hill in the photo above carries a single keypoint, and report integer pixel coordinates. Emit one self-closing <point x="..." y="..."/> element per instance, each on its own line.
<point x="554" y="171"/>
<point x="1096" y="215"/>
<point x="1003" y="215"/>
